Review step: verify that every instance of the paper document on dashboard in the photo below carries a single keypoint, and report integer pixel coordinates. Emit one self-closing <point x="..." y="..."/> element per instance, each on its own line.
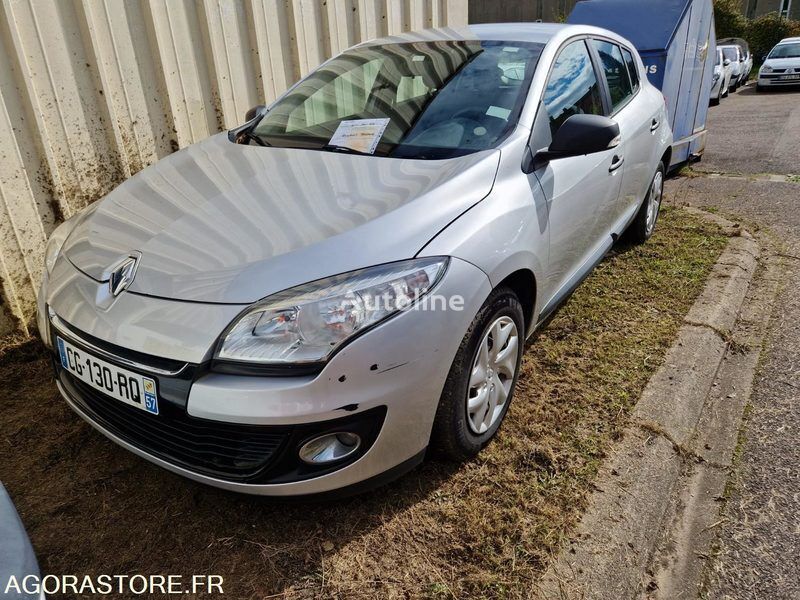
<point x="362" y="135"/>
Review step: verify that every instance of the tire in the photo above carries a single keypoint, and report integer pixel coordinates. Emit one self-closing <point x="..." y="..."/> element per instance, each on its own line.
<point x="718" y="99"/>
<point x="454" y="436"/>
<point x="644" y="224"/>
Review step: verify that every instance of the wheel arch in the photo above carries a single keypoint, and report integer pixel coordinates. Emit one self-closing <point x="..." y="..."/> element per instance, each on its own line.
<point x="666" y="158"/>
<point x="523" y="283"/>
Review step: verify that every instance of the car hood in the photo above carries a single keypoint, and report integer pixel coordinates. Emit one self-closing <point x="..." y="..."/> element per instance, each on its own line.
<point x="229" y="223"/>
<point x="783" y="63"/>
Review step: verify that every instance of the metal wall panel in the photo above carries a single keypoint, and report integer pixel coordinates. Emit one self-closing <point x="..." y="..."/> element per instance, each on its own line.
<point x="92" y="91"/>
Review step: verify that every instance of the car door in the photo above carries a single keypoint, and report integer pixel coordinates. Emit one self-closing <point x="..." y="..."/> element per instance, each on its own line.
<point x="638" y="120"/>
<point x="580" y="189"/>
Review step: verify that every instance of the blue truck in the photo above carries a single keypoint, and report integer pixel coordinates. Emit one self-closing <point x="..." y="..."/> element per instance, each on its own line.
<point x="677" y="42"/>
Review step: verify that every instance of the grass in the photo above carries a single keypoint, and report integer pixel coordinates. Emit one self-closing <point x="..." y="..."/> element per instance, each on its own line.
<point x="483" y="529"/>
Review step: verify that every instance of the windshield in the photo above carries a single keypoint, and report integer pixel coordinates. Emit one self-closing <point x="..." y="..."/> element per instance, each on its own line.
<point x="785" y="51"/>
<point x="730" y="54"/>
<point x="412" y="100"/>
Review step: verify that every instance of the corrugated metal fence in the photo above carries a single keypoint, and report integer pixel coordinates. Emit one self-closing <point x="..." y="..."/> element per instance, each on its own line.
<point x="92" y="91"/>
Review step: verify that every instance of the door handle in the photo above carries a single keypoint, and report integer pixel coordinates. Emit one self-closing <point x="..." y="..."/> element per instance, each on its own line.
<point x="616" y="163"/>
<point x="655" y="124"/>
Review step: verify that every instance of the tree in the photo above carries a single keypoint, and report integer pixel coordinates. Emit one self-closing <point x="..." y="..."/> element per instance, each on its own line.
<point x="767" y="30"/>
<point x="730" y="21"/>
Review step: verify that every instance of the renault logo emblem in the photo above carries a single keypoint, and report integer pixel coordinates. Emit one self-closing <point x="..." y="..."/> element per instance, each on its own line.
<point x="122" y="275"/>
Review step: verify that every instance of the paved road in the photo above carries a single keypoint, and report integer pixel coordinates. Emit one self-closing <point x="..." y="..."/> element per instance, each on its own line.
<point x="759" y="541"/>
<point x="755" y="133"/>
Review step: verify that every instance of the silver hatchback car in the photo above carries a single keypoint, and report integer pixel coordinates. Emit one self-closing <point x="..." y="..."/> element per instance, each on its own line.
<point x="311" y="301"/>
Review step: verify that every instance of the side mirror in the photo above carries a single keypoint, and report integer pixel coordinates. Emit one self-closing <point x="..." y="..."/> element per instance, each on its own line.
<point x="764" y="58"/>
<point x="577" y="136"/>
<point x="257" y="111"/>
<point x="727" y="62"/>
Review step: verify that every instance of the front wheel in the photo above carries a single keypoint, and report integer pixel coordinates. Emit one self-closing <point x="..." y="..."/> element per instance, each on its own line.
<point x="644" y="224"/>
<point x="482" y="378"/>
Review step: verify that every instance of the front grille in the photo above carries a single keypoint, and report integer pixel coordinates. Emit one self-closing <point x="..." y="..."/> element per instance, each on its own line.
<point x="227" y="451"/>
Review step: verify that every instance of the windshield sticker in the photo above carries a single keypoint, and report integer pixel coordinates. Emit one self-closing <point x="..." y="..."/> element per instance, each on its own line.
<point x="500" y="113"/>
<point x="361" y="135"/>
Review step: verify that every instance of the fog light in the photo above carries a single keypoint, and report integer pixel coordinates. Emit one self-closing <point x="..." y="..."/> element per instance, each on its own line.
<point x="328" y="448"/>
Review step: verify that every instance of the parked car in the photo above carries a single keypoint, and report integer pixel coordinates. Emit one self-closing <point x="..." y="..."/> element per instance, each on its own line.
<point x="19" y="569"/>
<point x="722" y="78"/>
<point x="310" y="301"/>
<point x="734" y="54"/>
<point x="746" y="57"/>
<point x="781" y="66"/>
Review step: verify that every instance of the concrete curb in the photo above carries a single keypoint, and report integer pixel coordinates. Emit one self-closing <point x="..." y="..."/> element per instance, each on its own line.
<point x="612" y="551"/>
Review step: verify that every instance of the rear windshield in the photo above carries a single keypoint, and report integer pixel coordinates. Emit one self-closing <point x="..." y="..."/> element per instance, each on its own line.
<point x="785" y="51"/>
<point x="412" y="100"/>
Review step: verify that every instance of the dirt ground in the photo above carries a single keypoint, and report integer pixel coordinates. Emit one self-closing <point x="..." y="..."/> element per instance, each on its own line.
<point x="485" y="528"/>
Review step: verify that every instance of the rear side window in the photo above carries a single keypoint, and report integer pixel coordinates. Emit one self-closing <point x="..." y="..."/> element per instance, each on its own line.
<point x="619" y="85"/>
<point x="572" y="88"/>
<point x="633" y="70"/>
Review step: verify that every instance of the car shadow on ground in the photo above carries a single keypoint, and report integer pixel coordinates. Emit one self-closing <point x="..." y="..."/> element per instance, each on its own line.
<point x="750" y="90"/>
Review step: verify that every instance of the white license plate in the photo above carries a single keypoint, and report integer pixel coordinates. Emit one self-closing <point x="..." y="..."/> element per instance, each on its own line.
<point x="121" y="384"/>
<point x="789" y="77"/>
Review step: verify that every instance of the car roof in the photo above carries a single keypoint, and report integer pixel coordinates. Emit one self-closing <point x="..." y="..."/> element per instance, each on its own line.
<point x="537" y="33"/>
<point x="734" y="42"/>
<point x="791" y="40"/>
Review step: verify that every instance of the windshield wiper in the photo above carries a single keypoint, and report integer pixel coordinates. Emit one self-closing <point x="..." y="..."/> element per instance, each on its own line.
<point x="343" y="149"/>
<point x="254" y="138"/>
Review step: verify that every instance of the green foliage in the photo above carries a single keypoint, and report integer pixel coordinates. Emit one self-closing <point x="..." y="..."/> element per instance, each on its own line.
<point x="766" y="31"/>
<point x="761" y="33"/>
<point x="730" y="21"/>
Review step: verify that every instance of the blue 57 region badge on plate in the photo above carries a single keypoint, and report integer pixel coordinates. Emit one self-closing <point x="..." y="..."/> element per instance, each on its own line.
<point x="150" y="400"/>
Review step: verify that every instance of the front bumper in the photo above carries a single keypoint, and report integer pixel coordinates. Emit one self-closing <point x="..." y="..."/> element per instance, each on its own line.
<point x="390" y="379"/>
<point x="774" y="80"/>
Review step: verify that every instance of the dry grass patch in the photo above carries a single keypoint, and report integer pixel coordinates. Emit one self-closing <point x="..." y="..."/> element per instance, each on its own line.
<point x="486" y="528"/>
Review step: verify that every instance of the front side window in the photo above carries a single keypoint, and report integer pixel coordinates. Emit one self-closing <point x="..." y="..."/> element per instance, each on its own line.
<point x="572" y="88"/>
<point x="785" y="51"/>
<point x="615" y="71"/>
<point x="436" y="99"/>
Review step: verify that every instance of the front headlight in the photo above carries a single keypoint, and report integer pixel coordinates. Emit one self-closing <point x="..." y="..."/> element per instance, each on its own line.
<point x="306" y="324"/>
<point x="55" y="243"/>
<point x="766" y="69"/>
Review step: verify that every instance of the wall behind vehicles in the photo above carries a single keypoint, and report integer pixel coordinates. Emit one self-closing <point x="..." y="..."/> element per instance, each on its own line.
<point x="92" y="91"/>
<point x="515" y="11"/>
